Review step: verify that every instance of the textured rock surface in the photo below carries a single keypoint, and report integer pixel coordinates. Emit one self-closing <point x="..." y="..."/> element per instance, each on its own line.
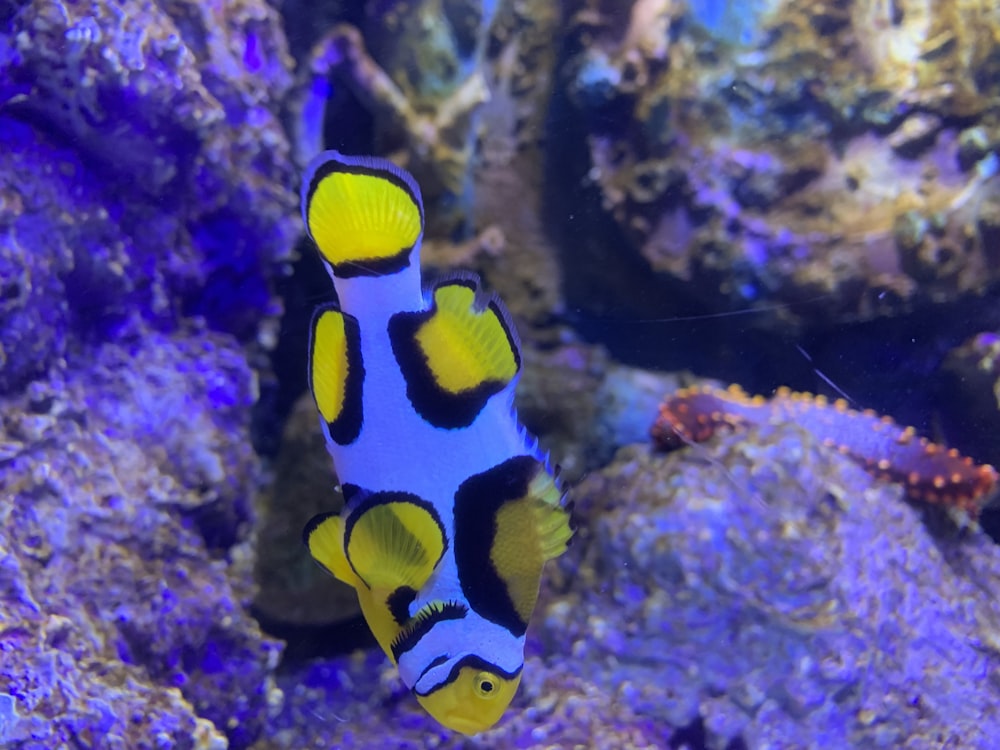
<point x="115" y="616"/>
<point x="765" y="587"/>
<point x="837" y="159"/>
<point x="758" y="591"/>
<point x="292" y="588"/>
<point x="142" y="156"/>
<point x="146" y="205"/>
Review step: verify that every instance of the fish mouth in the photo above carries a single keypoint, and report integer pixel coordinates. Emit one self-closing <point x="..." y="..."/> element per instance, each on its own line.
<point x="466" y="726"/>
<point x="421" y="623"/>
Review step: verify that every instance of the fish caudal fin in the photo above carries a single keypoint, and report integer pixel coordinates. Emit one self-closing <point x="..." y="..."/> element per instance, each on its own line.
<point x="456" y="355"/>
<point x="394" y="539"/>
<point x="324" y="537"/>
<point x="365" y="214"/>
<point x="336" y="372"/>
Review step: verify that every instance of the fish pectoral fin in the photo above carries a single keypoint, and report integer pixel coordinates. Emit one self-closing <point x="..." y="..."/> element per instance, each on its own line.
<point x="395" y="543"/>
<point x="552" y="517"/>
<point x="324" y="537"/>
<point x="468" y="341"/>
<point x="529" y="531"/>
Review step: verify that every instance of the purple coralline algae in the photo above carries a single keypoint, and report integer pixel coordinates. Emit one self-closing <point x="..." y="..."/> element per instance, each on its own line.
<point x="763" y="586"/>
<point x="116" y="619"/>
<point x="756" y="591"/>
<point x="146" y="209"/>
<point x="141" y="153"/>
<point x="837" y="161"/>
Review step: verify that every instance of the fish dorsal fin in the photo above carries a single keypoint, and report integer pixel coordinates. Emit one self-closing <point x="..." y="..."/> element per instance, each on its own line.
<point x="336" y="372"/>
<point x="530" y="530"/>
<point x="468" y="344"/>
<point x="393" y="540"/>
<point x="324" y="537"/>
<point x="365" y="214"/>
<point x="458" y="354"/>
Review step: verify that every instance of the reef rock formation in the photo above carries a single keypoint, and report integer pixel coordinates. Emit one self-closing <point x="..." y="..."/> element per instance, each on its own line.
<point x="145" y="211"/>
<point x="839" y="160"/>
<point x="121" y="618"/>
<point x="749" y="592"/>
<point x="143" y="171"/>
<point x="763" y="587"/>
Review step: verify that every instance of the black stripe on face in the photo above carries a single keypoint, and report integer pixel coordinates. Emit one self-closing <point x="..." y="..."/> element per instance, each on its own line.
<point x="360" y="166"/>
<point x="422" y="624"/>
<point x="434" y="663"/>
<point x="476" y="662"/>
<point x="477" y="502"/>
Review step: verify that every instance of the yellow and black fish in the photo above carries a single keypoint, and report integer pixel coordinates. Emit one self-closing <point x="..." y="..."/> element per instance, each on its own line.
<point x="450" y="509"/>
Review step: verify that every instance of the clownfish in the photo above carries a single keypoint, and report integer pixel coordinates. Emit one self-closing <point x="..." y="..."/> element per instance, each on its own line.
<point x="451" y="511"/>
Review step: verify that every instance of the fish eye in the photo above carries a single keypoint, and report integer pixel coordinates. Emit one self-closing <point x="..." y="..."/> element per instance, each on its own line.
<point x="486" y="685"/>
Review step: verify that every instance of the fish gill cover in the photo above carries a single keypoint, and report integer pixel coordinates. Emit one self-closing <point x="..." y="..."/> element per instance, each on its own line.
<point x="784" y="193"/>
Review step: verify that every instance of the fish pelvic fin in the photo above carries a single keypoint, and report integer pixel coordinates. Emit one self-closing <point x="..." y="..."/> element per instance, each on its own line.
<point x="394" y="540"/>
<point x="324" y="538"/>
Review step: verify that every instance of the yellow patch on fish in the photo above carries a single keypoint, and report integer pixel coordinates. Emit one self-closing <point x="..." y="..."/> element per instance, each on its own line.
<point x="336" y="372"/>
<point x="465" y="348"/>
<point x="363" y="218"/>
